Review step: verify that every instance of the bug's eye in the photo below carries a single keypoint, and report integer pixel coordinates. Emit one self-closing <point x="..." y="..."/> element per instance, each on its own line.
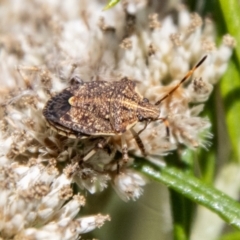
<point x="145" y="100"/>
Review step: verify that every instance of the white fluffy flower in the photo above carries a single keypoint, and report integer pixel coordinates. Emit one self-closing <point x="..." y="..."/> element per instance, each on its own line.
<point x="44" y="44"/>
<point x="129" y="184"/>
<point x="35" y="195"/>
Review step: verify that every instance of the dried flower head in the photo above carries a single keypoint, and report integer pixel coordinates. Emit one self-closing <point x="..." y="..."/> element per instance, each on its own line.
<point x="36" y="195"/>
<point x="62" y="41"/>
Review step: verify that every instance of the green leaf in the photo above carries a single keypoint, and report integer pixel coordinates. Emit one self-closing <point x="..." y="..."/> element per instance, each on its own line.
<point x="230" y="89"/>
<point x="111" y="4"/>
<point x="192" y="188"/>
<point x="228" y="13"/>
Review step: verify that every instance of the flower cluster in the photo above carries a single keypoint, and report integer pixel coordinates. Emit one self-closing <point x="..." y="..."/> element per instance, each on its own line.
<point x="37" y="195"/>
<point x="153" y="43"/>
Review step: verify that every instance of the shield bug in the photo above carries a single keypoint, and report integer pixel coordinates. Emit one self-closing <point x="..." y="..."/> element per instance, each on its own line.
<point x="103" y="109"/>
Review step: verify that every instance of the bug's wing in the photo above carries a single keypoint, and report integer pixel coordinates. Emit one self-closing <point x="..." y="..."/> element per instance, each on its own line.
<point x="90" y="93"/>
<point x="123" y="106"/>
<point x="74" y="120"/>
<point x="86" y="122"/>
<point x="57" y="106"/>
<point x="121" y="118"/>
<point x="94" y="97"/>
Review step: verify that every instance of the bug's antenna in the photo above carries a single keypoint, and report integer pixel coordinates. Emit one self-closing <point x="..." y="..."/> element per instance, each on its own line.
<point x="190" y="72"/>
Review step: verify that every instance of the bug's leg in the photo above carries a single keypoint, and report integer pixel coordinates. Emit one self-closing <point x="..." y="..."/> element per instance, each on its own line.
<point x="124" y="153"/>
<point x="101" y="143"/>
<point x="124" y="149"/>
<point x="139" y="141"/>
<point x="145" y="126"/>
<point x="166" y="123"/>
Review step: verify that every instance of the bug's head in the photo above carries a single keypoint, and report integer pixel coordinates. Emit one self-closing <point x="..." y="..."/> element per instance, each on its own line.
<point x="147" y="111"/>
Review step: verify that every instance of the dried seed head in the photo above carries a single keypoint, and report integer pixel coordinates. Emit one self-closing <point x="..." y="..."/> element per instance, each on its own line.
<point x="126" y="43"/>
<point x="151" y="50"/>
<point x="196" y="21"/>
<point x="208" y="45"/>
<point x="176" y="39"/>
<point x="66" y="192"/>
<point x="153" y="21"/>
<point x="228" y="40"/>
<point x="104" y="27"/>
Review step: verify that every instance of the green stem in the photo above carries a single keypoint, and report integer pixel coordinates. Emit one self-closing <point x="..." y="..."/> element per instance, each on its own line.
<point x="192" y="188"/>
<point x="181" y="211"/>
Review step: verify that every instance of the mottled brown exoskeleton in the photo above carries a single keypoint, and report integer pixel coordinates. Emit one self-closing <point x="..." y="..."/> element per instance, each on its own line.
<point x="101" y="108"/>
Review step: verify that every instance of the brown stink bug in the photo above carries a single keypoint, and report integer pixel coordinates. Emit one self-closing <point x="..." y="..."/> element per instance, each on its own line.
<point x="102" y="109"/>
